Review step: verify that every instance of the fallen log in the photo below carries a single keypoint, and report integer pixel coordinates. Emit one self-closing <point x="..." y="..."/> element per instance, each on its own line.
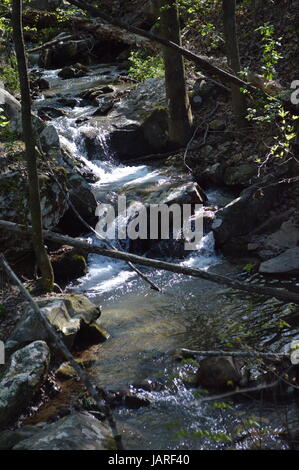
<point x="280" y="294"/>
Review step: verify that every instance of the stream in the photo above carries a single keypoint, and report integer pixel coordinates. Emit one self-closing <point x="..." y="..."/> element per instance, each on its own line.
<point x="146" y="326"/>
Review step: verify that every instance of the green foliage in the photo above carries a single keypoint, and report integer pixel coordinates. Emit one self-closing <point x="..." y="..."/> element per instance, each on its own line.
<point x="143" y="66"/>
<point x="201" y="433"/>
<point x="9" y="75"/>
<point x="248" y="267"/>
<point x="270" y="48"/>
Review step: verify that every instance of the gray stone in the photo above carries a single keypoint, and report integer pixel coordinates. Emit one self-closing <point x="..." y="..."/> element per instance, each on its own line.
<point x="218" y="372"/>
<point x="26" y="370"/>
<point x="285" y="263"/>
<point x="67" y="313"/>
<point x="243" y="214"/>
<point x="78" y="431"/>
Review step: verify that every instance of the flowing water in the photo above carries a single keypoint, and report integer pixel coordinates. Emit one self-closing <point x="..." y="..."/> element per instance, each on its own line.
<point x="146" y="326"/>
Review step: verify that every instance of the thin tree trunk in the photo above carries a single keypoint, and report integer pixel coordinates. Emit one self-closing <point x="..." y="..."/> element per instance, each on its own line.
<point x="42" y="258"/>
<point x="233" y="58"/>
<point x="180" y="114"/>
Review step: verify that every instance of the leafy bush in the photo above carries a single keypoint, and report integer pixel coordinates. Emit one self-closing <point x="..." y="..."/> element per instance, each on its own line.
<point x="143" y="66"/>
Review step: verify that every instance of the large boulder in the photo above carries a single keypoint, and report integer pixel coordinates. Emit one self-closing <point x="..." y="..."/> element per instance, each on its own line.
<point x="66" y="52"/>
<point x="14" y="203"/>
<point x="70" y="315"/>
<point x="19" y="383"/>
<point x="78" y="431"/>
<point x="286" y="263"/>
<point x="137" y="125"/>
<point x="243" y="214"/>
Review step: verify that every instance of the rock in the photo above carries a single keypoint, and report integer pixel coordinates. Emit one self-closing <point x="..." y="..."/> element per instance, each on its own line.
<point x="137" y="125"/>
<point x="14" y="204"/>
<point x="69" y="102"/>
<point x="65" y="53"/>
<point x="49" y="138"/>
<point x="68" y="264"/>
<point x="211" y="175"/>
<point x="93" y="94"/>
<point x="217" y="125"/>
<point x="42" y="84"/>
<point x="218" y="373"/>
<point x="286" y="237"/>
<point x="105" y="104"/>
<point x="47" y="112"/>
<point x="78" y="431"/>
<point x="8" y="439"/>
<point x="69" y="314"/>
<point x="286" y="263"/>
<point x="25" y="372"/>
<point x="71" y="72"/>
<point x="240" y="175"/>
<point x="243" y="214"/>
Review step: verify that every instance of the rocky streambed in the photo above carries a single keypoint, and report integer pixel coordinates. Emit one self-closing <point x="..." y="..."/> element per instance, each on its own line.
<point x="91" y="123"/>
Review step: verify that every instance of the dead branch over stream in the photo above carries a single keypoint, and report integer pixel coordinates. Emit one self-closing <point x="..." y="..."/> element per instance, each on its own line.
<point x="280" y="294"/>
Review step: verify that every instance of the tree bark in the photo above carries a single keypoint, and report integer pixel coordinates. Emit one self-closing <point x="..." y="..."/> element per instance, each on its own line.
<point x="42" y="258"/>
<point x="282" y="294"/>
<point x="233" y="59"/>
<point x="180" y="114"/>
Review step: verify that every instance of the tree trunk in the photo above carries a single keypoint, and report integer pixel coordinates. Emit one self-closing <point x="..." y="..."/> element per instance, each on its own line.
<point x="42" y="258"/>
<point x="180" y="114"/>
<point x="233" y="58"/>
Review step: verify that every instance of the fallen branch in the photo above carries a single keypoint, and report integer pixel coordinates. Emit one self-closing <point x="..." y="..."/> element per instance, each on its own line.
<point x="280" y="294"/>
<point x="61" y="37"/>
<point x="189" y="353"/>
<point x="97" y="393"/>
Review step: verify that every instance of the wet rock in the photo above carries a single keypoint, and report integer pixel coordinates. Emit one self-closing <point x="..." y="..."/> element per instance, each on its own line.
<point x="93" y="94"/>
<point x="218" y="373"/>
<point x="78" y="431"/>
<point x="286" y="263"/>
<point x="47" y="112"/>
<point x="42" y="84"/>
<point x="69" y="102"/>
<point x="67" y="313"/>
<point x="25" y="372"/>
<point x="71" y="72"/>
<point x="138" y="123"/>
<point x="105" y="104"/>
